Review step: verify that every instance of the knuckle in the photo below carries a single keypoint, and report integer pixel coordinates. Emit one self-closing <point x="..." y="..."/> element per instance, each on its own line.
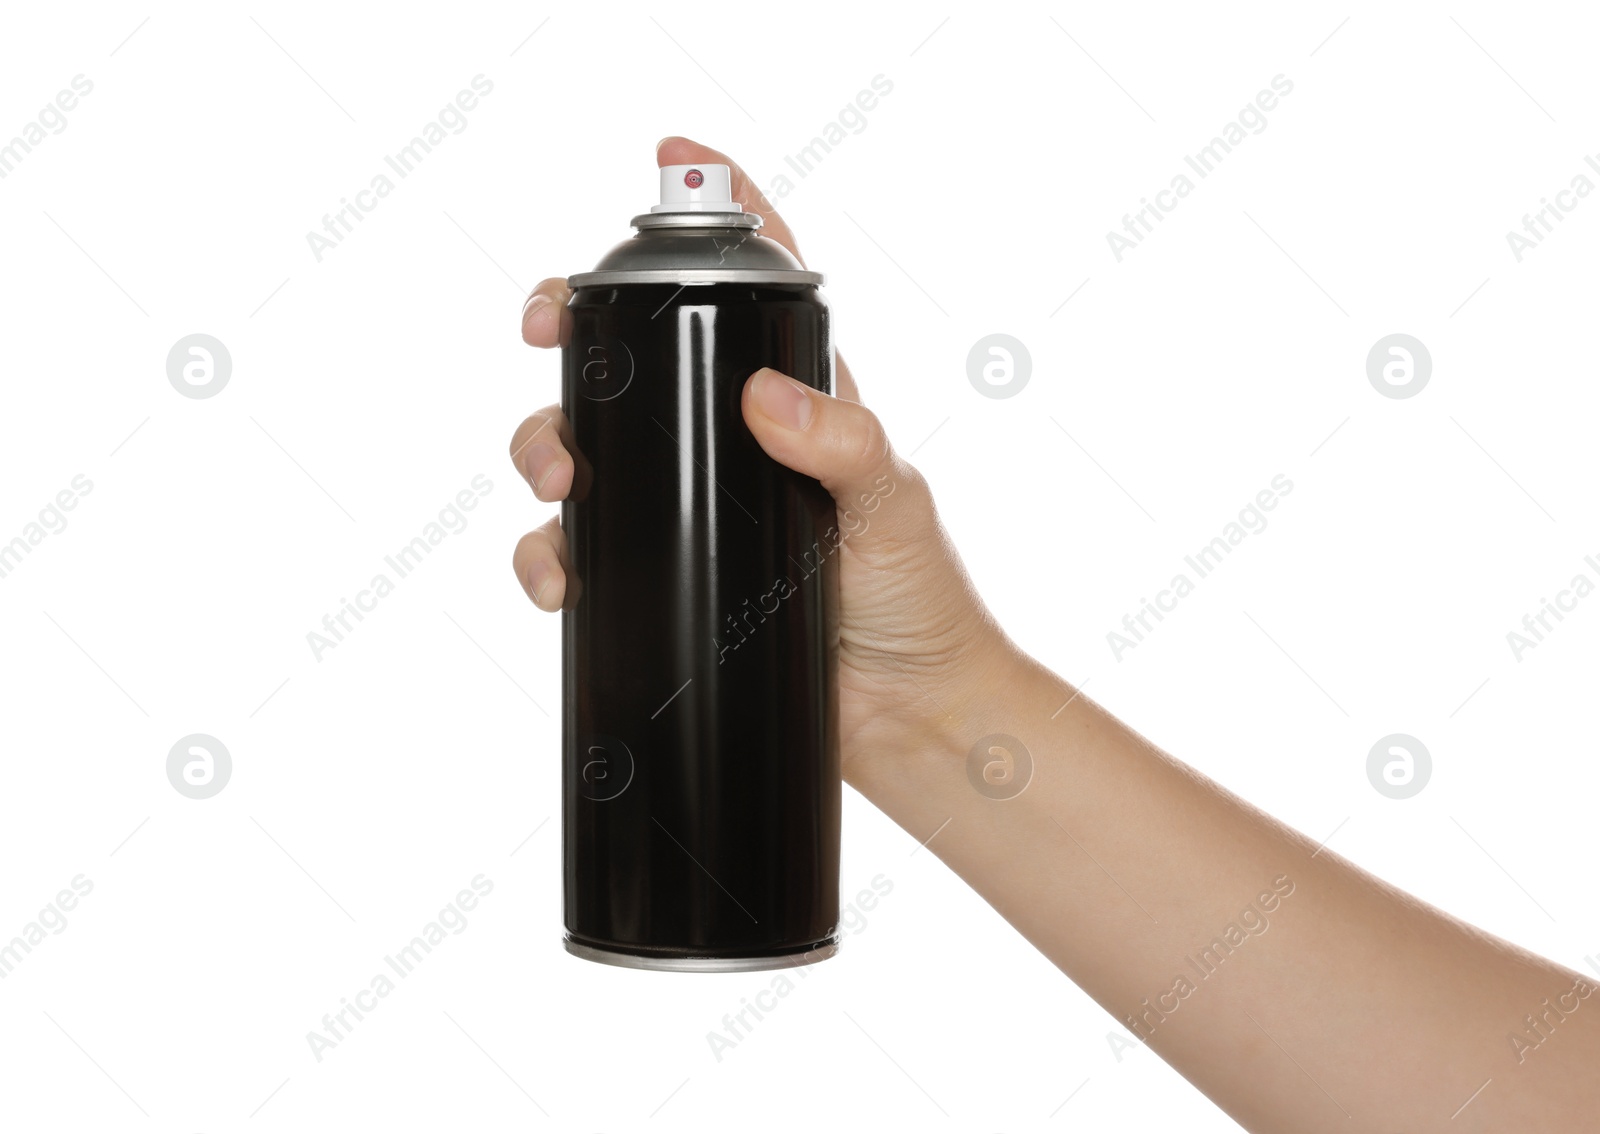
<point x="907" y="474"/>
<point x="542" y="426"/>
<point x="873" y="448"/>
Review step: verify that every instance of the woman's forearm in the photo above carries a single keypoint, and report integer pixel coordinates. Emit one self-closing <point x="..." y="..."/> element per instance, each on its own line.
<point x="1297" y="991"/>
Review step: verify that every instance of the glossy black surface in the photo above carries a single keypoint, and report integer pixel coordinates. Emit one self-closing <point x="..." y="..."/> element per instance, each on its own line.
<point x="700" y="727"/>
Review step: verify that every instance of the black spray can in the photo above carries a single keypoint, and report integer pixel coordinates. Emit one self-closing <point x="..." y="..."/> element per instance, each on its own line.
<point x="700" y="773"/>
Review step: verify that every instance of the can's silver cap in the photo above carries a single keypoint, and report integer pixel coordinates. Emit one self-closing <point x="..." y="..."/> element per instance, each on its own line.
<point x="697" y="234"/>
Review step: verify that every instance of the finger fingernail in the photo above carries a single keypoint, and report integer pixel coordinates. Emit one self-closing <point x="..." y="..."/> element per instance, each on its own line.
<point x="537" y="464"/>
<point x="538" y="577"/>
<point x="783" y="399"/>
<point x="535" y="302"/>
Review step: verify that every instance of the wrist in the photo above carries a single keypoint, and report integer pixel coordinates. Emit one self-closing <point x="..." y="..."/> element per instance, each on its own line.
<point x="993" y="690"/>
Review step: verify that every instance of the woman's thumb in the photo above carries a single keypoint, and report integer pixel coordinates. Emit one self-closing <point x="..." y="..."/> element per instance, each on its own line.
<point x="841" y="444"/>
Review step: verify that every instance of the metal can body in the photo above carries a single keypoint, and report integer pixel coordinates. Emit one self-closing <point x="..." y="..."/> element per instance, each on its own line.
<point x="701" y="787"/>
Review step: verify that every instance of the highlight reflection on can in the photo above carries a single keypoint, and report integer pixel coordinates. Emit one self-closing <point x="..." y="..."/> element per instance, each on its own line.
<point x="700" y="775"/>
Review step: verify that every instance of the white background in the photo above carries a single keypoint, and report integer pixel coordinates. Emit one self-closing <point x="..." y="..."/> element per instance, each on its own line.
<point x="369" y="388"/>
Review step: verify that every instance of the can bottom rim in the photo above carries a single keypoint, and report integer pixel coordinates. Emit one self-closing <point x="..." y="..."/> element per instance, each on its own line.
<point x="820" y="951"/>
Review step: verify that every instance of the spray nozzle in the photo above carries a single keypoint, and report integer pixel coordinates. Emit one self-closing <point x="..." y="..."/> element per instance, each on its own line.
<point x="696" y="189"/>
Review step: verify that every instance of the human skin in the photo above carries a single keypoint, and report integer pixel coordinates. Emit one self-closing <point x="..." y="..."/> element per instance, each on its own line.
<point x="1363" y="1007"/>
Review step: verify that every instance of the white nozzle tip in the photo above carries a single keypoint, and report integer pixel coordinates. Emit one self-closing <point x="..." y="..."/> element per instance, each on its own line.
<point x="696" y="189"/>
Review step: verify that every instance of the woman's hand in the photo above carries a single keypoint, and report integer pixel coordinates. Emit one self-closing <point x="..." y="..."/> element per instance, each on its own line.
<point x="916" y="643"/>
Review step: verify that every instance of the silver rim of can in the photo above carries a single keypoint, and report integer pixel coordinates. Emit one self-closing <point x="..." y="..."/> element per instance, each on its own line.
<point x="697" y="220"/>
<point x="687" y="276"/>
<point x="819" y="952"/>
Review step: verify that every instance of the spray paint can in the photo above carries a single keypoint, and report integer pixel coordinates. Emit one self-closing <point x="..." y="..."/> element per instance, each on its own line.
<point x="700" y="776"/>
